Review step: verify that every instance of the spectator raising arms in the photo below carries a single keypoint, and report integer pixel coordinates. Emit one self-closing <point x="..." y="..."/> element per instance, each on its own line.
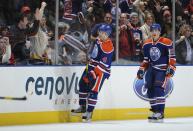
<point x="20" y="32"/>
<point x="39" y="43"/>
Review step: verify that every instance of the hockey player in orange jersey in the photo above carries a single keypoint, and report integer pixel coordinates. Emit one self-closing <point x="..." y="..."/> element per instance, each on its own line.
<point x="96" y="73"/>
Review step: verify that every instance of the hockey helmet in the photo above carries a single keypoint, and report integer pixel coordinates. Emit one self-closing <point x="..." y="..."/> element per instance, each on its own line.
<point x="105" y="28"/>
<point x="155" y="26"/>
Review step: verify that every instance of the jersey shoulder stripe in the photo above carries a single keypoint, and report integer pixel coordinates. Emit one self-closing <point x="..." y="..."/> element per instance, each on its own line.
<point x="148" y="41"/>
<point x="165" y="41"/>
<point x="107" y="46"/>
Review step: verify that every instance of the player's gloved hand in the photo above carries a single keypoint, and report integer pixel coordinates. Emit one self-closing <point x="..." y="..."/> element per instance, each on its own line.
<point x="140" y="74"/>
<point x="85" y="79"/>
<point x="89" y="77"/>
<point x="170" y="71"/>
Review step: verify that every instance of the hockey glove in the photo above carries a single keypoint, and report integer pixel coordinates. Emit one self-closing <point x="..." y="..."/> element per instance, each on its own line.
<point x="140" y="74"/>
<point x="85" y="79"/>
<point x="89" y="77"/>
<point x="170" y="71"/>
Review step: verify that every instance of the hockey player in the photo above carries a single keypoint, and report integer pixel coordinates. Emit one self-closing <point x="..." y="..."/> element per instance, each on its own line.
<point x="159" y="65"/>
<point x="95" y="73"/>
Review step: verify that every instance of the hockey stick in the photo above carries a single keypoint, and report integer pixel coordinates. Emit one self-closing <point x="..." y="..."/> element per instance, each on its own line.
<point x="13" y="98"/>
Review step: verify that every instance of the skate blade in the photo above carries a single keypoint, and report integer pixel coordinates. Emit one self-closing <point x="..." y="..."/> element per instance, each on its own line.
<point x="150" y="120"/>
<point x="157" y="121"/>
<point x="86" y="121"/>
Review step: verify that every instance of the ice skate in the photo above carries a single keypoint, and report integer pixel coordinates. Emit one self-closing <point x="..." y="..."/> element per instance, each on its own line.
<point x="78" y="111"/>
<point x="158" y="118"/>
<point x="87" y="116"/>
<point x="150" y="117"/>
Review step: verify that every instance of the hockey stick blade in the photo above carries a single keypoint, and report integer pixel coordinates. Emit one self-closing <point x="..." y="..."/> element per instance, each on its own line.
<point x="13" y="98"/>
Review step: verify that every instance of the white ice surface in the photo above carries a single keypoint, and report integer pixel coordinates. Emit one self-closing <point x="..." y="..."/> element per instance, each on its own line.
<point x="177" y="124"/>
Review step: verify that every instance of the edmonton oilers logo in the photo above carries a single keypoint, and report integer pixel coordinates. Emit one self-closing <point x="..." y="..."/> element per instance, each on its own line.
<point x="155" y="53"/>
<point x="141" y="91"/>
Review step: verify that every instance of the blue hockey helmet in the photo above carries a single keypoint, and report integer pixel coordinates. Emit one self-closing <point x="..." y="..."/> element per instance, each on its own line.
<point x="105" y="28"/>
<point x="155" y="26"/>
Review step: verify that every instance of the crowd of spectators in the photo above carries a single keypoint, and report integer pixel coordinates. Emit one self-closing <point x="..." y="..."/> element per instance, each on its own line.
<point x="27" y="29"/>
<point x="184" y="34"/>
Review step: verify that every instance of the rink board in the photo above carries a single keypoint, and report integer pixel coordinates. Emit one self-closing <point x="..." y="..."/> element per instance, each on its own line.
<point x="52" y="91"/>
<point x="99" y="114"/>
